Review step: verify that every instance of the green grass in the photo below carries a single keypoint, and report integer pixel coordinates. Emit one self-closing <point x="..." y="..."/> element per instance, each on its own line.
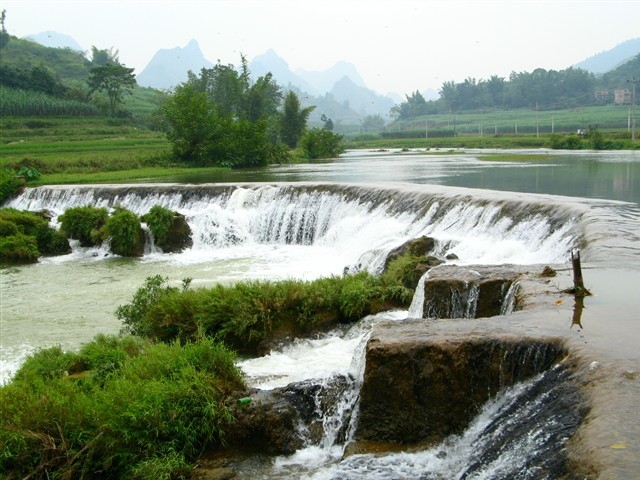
<point x="119" y="408"/>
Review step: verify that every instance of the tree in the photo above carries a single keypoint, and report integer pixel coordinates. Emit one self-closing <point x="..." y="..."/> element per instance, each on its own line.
<point x="114" y="79"/>
<point x="328" y="123"/>
<point x="321" y="143"/>
<point x="220" y="118"/>
<point x="4" y="36"/>
<point x="372" y="123"/>
<point x="294" y="119"/>
<point x="102" y="57"/>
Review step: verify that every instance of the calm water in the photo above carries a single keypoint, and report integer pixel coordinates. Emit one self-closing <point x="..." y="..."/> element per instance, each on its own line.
<point x="606" y="175"/>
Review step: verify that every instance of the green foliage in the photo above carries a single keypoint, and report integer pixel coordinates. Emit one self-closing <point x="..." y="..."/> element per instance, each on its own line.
<point x="85" y="224"/>
<point x="115" y="80"/>
<point x="9" y="184"/>
<point x="159" y="221"/>
<point x="4" y="36"/>
<point x="24" y="229"/>
<point x="247" y="313"/>
<point x="119" y="408"/>
<point x="321" y="143"/>
<point x="18" y="248"/>
<point x="15" y="102"/>
<point x="29" y="173"/>
<point x="294" y="120"/>
<point x="124" y="232"/>
<point x="220" y="118"/>
<point x="402" y="270"/>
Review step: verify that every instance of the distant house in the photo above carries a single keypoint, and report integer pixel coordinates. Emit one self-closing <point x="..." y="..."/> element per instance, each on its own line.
<point x="622" y="96"/>
<point x="602" y="95"/>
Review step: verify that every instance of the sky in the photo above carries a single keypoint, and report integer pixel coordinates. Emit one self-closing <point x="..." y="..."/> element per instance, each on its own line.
<point x="397" y="45"/>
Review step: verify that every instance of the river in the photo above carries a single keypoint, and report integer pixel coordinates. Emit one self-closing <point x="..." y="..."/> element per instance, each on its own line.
<point x="311" y="220"/>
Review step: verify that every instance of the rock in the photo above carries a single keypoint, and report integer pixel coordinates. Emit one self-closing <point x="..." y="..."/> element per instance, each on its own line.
<point x="417" y="247"/>
<point x="452" y="256"/>
<point x="453" y="291"/>
<point x="272" y="422"/>
<point x="178" y="237"/>
<point x="419" y="389"/>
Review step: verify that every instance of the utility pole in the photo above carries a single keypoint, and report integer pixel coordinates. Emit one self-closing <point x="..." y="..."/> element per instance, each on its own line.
<point x="633" y="82"/>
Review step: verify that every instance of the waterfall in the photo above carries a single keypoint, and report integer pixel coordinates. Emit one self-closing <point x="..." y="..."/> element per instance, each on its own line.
<point x="509" y="302"/>
<point x="363" y="222"/>
<point x="417" y="303"/>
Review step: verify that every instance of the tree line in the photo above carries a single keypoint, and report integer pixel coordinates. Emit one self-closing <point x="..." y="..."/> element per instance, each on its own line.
<point x="541" y="89"/>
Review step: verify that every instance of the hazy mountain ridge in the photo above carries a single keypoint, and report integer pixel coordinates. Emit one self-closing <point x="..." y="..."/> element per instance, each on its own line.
<point x="55" y="40"/>
<point x="170" y="67"/>
<point x="608" y="60"/>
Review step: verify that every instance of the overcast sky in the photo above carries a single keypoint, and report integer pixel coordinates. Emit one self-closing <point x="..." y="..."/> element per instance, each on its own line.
<point x="396" y="45"/>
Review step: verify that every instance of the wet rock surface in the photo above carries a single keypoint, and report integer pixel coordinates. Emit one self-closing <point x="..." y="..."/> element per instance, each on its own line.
<point x="453" y="291"/>
<point x="419" y="389"/>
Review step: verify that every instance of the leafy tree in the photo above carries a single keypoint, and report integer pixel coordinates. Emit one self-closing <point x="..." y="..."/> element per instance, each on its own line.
<point x="294" y="119"/>
<point x="321" y="143"/>
<point x="4" y="36"/>
<point x="102" y="57"/>
<point x="114" y="79"/>
<point x="219" y="117"/>
<point x="328" y="123"/>
<point x="372" y="123"/>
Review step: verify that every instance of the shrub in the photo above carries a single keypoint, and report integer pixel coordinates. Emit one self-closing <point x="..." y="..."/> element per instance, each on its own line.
<point x="321" y="143"/>
<point x="125" y="234"/>
<point x="245" y="314"/>
<point x="9" y="184"/>
<point x="153" y="414"/>
<point x="19" y="248"/>
<point x="84" y="224"/>
<point x="159" y="220"/>
<point x="36" y="225"/>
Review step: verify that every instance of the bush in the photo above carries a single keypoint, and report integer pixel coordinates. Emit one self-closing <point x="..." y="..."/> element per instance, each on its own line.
<point x="49" y="241"/>
<point x="19" y="248"/>
<point x="125" y="234"/>
<point x="85" y="224"/>
<point x="321" y="143"/>
<point x="245" y="314"/>
<point x="159" y="221"/>
<point x="9" y="184"/>
<point x="153" y="414"/>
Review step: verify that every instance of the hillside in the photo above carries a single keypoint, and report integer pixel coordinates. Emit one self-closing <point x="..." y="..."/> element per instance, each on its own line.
<point x="610" y="59"/>
<point x="69" y="66"/>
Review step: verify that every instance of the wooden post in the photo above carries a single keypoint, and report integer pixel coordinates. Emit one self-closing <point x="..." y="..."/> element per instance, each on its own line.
<point x="579" y="289"/>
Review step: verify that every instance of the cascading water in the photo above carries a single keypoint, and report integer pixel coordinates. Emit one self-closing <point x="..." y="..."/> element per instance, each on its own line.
<point x="365" y="222"/>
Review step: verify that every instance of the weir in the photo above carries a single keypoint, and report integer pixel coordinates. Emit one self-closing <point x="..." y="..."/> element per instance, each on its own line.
<point x="365" y="221"/>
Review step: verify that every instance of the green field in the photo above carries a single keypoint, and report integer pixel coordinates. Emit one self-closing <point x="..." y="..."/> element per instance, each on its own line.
<point x="513" y="122"/>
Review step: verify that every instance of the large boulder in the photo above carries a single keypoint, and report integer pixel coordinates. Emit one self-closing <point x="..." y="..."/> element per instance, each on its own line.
<point x="417" y="247"/>
<point x="178" y="237"/>
<point x="452" y="291"/>
<point x="419" y="389"/>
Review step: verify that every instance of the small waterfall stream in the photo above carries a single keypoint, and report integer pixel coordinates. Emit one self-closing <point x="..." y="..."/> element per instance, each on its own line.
<point x="516" y="435"/>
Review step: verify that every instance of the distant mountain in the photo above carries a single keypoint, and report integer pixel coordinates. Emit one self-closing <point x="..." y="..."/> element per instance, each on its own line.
<point x="361" y="99"/>
<point x="610" y="59"/>
<point x="279" y="68"/>
<point x="323" y="81"/>
<point x="55" y="40"/>
<point x="169" y="67"/>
